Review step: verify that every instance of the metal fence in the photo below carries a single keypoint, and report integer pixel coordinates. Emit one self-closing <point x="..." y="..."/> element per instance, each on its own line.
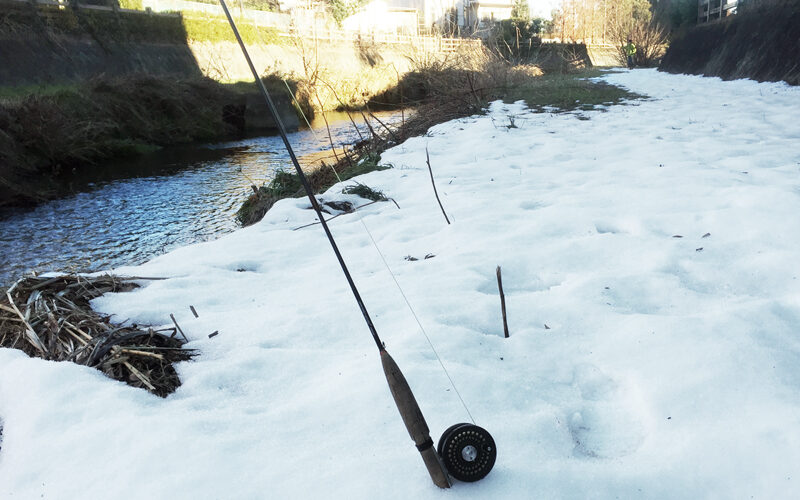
<point x="423" y="42"/>
<point x="260" y="17"/>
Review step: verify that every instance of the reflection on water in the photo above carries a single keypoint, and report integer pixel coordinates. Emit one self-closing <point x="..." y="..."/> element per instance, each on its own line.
<point x="154" y="204"/>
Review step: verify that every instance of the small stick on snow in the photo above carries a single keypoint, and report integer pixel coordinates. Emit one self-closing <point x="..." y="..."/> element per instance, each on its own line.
<point x="428" y="161"/>
<point x="137" y="352"/>
<point x="194" y="311"/>
<point x="502" y="300"/>
<point x="172" y="316"/>
<point x="141" y="376"/>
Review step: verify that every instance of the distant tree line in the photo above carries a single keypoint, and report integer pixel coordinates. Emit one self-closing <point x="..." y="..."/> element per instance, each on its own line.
<point x="647" y="23"/>
<point x="599" y="21"/>
<point x="611" y="21"/>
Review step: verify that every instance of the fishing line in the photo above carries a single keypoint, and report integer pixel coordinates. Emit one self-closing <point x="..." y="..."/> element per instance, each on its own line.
<point x="291" y="94"/>
<point x="408" y="303"/>
<point x="386" y="265"/>
<point x="388" y="268"/>
<point x="419" y="323"/>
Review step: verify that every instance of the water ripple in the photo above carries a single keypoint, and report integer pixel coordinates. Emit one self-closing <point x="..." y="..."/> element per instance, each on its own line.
<point x="166" y="200"/>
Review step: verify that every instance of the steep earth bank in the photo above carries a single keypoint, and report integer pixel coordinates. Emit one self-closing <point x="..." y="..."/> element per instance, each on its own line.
<point x="762" y="44"/>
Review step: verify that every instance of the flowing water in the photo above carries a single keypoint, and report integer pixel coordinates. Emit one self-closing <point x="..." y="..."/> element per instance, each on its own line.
<point x="156" y="203"/>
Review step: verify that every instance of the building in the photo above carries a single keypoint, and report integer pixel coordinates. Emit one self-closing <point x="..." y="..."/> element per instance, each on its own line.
<point x="477" y="13"/>
<point x="443" y="17"/>
<point x="711" y="10"/>
<point x="379" y="16"/>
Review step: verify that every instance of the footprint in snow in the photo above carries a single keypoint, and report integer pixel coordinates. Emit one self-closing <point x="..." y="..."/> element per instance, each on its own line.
<point x="532" y="205"/>
<point x="607" y="421"/>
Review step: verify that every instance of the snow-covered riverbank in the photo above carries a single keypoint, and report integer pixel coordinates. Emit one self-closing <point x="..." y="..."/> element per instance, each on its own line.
<point x="650" y="265"/>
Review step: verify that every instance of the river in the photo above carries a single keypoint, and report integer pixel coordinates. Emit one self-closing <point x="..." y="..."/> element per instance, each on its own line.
<point x="145" y="207"/>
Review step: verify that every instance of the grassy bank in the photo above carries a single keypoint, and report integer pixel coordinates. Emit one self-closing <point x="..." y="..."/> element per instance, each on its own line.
<point x="440" y="92"/>
<point x="48" y="132"/>
<point x="126" y="27"/>
<point x="568" y="92"/>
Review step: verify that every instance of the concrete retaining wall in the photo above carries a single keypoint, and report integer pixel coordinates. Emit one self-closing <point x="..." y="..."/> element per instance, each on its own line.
<point x="36" y="60"/>
<point x="53" y="47"/>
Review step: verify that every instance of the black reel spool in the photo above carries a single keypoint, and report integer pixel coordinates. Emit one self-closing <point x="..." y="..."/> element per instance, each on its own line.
<point x="467" y="451"/>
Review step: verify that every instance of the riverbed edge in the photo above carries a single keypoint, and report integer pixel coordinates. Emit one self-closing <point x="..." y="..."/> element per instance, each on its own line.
<point x="48" y="134"/>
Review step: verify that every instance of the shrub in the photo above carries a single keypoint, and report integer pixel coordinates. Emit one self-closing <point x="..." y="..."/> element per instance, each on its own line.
<point x="650" y="39"/>
<point x="283" y="185"/>
<point x="131" y="4"/>
<point x="516" y="39"/>
<point x="201" y="28"/>
<point x="265" y="5"/>
<point x="365" y="192"/>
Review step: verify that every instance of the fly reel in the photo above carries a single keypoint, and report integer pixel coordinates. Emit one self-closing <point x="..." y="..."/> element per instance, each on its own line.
<point x="467" y="451"/>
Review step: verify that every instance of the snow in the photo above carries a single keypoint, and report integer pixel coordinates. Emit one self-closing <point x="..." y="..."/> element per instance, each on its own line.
<point x="669" y="367"/>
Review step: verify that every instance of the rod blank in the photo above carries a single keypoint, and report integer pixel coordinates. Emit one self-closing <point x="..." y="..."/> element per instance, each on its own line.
<point x="303" y="180"/>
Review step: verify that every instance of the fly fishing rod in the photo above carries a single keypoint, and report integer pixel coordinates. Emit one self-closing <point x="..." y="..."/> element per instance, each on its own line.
<point x="466" y="451"/>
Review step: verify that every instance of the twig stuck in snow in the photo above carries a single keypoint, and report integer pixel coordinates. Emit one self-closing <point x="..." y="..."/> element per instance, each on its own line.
<point x="430" y="170"/>
<point x="502" y="300"/>
<point x="172" y="317"/>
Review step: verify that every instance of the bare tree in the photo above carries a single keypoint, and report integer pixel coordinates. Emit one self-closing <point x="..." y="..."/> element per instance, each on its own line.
<point x="614" y="22"/>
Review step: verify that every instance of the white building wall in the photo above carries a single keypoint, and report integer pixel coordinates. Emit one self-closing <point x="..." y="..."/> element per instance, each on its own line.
<point x="379" y="17"/>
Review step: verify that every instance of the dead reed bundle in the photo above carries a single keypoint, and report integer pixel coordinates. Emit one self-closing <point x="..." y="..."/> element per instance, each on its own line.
<point x="51" y="318"/>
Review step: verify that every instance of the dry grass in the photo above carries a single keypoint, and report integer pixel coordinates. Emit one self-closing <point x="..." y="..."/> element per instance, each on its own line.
<point x="439" y="89"/>
<point x="458" y="86"/>
<point x="42" y="135"/>
<point x="51" y="318"/>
